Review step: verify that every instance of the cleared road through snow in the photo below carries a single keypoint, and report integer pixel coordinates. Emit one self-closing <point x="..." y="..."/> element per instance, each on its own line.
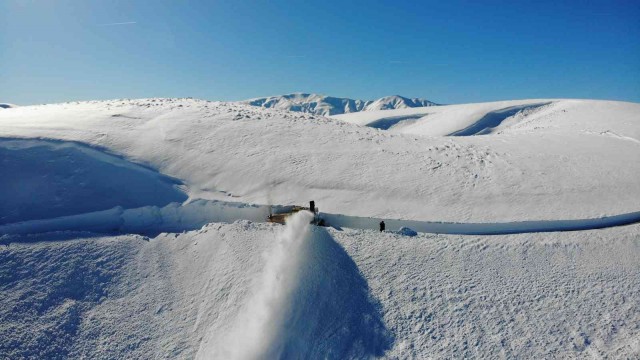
<point x="175" y="218"/>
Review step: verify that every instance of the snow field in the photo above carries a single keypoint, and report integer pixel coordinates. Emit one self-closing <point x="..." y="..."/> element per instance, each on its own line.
<point x="549" y="295"/>
<point x="47" y="291"/>
<point x="340" y="294"/>
<point x="239" y="290"/>
<point x="571" y="159"/>
<point x="198" y="288"/>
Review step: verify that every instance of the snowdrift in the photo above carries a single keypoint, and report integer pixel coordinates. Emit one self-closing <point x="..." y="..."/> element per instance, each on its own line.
<point x="493" y="119"/>
<point x="43" y="179"/>
<point x="515" y="117"/>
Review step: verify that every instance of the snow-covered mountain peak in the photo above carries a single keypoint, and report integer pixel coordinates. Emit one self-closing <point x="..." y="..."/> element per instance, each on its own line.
<point x="397" y="102"/>
<point x="328" y="105"/>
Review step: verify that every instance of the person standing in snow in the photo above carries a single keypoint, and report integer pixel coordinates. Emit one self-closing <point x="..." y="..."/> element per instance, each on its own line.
<point x="381" y="226"/>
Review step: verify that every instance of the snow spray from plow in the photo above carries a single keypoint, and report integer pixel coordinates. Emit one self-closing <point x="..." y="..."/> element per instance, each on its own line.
<point x="309" y="301"/>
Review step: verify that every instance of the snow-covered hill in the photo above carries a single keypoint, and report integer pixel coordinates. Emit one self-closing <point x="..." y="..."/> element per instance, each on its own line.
<point x="516" y="117"/>
<point x="77" y="179"/>
<point x="567" y="159"/>
<point x="327" y="105"/>
<point x="239" y="290"/>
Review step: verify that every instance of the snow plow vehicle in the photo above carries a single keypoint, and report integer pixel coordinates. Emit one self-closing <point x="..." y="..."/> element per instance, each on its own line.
<point x="281" y="216"/>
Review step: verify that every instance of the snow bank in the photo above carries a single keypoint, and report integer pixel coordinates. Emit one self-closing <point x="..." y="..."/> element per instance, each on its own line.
<point x="150" y="220"/>
<point x="145" y="220"/>
<point x="258" y="330"/>
<point x="355" y="222"/>
<point x="493" y="119"/>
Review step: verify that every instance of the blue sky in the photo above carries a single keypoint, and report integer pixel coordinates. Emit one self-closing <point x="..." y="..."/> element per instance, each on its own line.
<point x="445" y="51"/>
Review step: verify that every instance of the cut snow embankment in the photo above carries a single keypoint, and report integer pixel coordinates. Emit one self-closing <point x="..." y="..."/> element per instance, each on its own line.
<point x="145" y="220"/>
<point x="521" y="227"/>
<point x="152" y="220"/>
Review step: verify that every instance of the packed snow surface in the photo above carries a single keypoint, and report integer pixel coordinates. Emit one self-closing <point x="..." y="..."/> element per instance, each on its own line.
<point x="327" y="105"/>
<point x="79" y="180"/>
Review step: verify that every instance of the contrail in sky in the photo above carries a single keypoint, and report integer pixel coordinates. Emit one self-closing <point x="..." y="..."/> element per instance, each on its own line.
<point x="120" y="23"/>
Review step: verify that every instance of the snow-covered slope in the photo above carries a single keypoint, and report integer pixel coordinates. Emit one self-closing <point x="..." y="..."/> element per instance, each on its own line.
<point x="568" y="159"/>
<point x="245" y="289"/>
<point x="508" y="117"/>
<point x="327" y="105"/>
<point x="181" y="171"/>
<point x="44" y="179"/>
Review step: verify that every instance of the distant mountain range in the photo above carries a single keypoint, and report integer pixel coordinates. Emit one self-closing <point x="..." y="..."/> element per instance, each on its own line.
<point x="328" y="105"/>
